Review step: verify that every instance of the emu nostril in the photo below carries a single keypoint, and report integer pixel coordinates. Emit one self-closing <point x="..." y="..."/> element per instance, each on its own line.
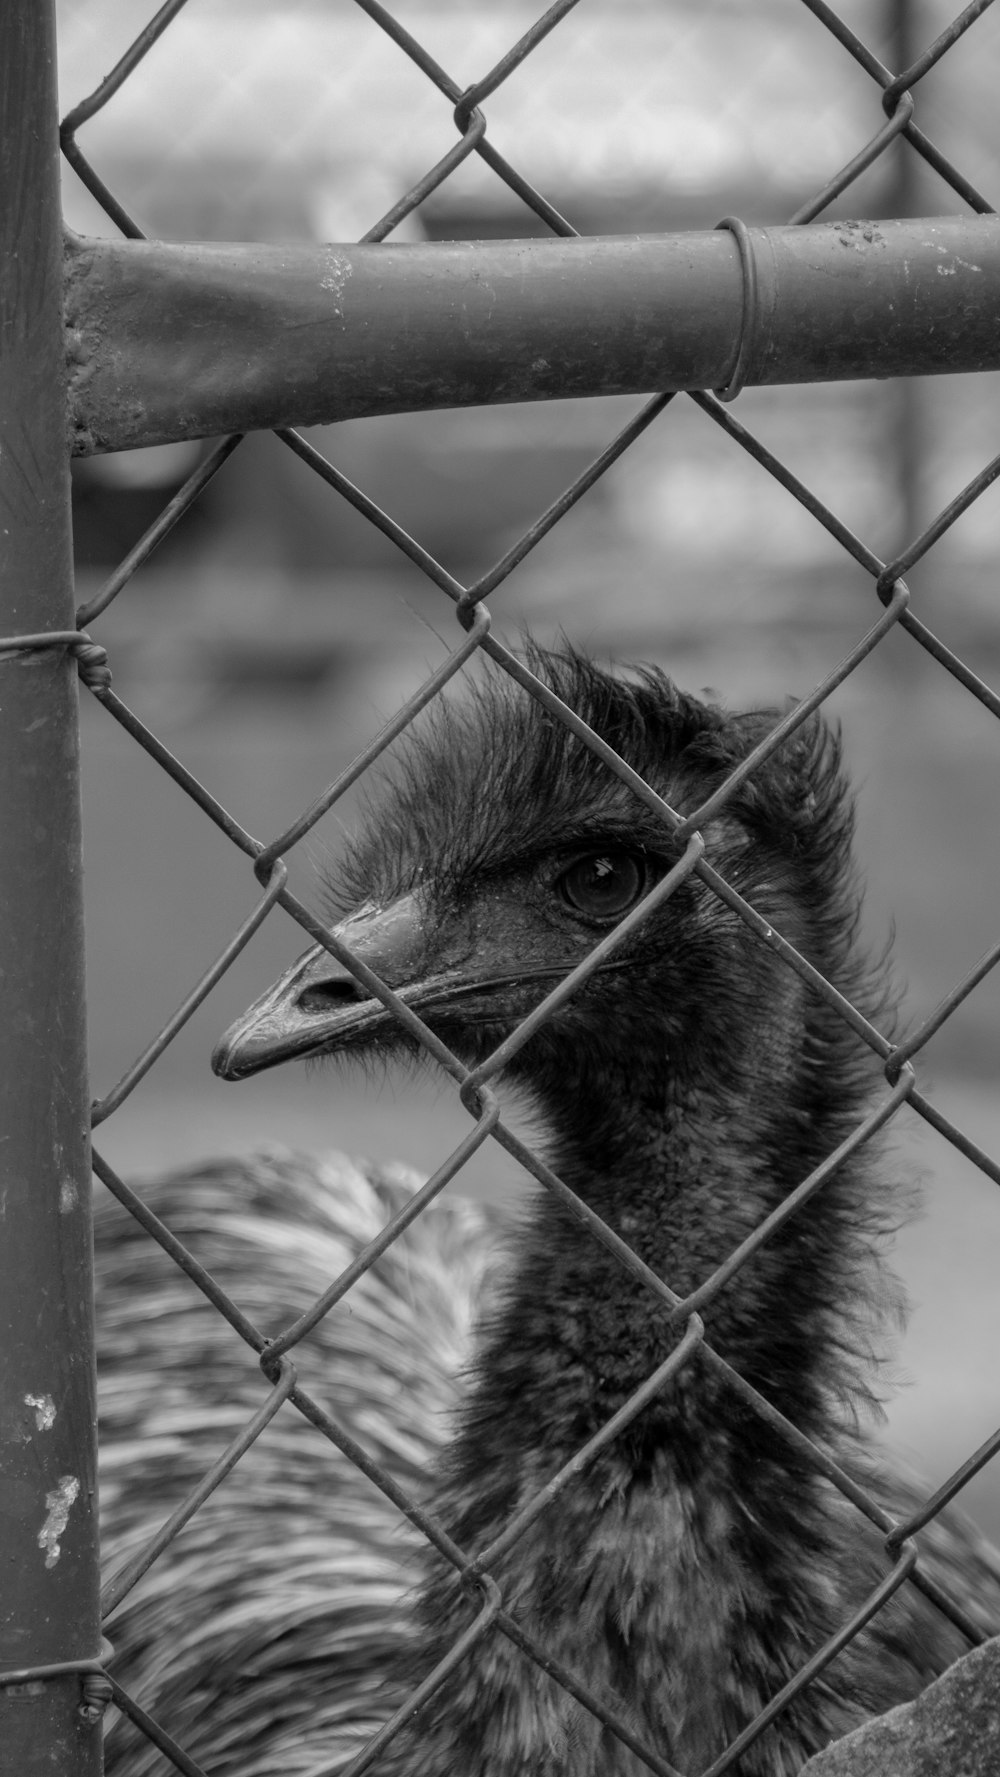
<point x="328" y="996"/>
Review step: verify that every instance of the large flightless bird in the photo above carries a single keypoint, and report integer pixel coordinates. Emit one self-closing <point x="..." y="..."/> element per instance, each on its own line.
<point x="682" y="1092"/>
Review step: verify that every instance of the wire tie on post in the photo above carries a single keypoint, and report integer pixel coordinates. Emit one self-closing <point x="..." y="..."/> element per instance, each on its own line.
<point x="748" y="320"/>
<point x="92" y="663"/>
<point x="94" y="1682"/>
<point x="91" y="657"/>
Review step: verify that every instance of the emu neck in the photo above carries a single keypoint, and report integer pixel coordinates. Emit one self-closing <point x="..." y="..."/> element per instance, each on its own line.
<point x="683" y="1171"/>
<point x="662" y="1575"/>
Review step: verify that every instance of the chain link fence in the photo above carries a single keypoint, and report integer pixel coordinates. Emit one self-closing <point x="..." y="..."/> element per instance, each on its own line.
<point x="284" y="128"/>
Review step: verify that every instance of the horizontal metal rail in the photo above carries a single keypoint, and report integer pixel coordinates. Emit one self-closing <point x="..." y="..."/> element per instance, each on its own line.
<point x="190" y="341"/>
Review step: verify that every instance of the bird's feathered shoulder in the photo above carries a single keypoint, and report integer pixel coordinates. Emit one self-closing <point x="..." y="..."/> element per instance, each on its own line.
<point x="268" y="1632"/>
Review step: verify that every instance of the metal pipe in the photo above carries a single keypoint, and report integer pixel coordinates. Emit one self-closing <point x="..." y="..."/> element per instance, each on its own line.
<point x="50" y="1706"/>
<point x="189" y="341"/>
<point x="906" y="444"/>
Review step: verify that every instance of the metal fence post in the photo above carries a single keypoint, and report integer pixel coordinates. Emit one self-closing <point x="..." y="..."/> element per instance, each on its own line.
<point x="907" y="196"/>
<point x="49" y="1622"/>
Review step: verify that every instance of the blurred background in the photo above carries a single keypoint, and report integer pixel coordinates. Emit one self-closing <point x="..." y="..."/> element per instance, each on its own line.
<point x="274" y="630"/>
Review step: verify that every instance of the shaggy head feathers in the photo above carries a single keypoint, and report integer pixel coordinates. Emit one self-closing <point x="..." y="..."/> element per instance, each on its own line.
<point x="494" y="781"/>
<point x="496" y="777"/>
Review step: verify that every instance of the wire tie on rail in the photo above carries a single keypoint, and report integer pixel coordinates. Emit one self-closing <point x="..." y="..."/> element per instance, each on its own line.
<point x="748" y="319"/>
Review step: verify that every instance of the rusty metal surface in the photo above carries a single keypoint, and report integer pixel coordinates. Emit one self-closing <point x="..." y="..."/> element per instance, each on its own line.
<point x="50" y="1647"/>
<point x="189" y="341"/>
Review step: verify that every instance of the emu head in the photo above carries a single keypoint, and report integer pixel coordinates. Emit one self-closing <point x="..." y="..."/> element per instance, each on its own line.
<point x="505" y="851"/>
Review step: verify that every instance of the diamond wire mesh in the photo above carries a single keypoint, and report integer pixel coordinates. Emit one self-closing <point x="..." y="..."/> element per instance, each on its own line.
<point x="893" y="609"/>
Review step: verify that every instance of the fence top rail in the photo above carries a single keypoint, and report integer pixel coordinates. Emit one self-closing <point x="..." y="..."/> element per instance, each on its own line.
<point x="172" y="341"/>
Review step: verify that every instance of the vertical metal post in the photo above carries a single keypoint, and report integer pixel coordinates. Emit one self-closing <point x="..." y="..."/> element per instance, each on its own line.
<point x="48" y="1533"/>
<point x="908" y="442"/>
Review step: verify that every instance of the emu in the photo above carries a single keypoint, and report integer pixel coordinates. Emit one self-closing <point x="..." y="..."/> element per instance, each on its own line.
<point x="687" y="1086"/>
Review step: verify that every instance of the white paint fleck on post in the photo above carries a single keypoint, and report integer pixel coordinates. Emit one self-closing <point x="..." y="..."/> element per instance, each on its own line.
<point x="57" y="1506"/>
<point x="45" y="1410"/>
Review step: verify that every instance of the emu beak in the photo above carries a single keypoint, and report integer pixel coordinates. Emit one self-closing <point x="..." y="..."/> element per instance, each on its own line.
<point x="317" y="1003"/>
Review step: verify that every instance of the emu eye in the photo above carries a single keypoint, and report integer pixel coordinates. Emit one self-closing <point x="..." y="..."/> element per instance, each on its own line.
<point x="603" y="885"/>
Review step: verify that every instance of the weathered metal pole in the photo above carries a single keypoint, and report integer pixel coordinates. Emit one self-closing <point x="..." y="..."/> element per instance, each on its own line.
<point x="49" y="1624"/>
<point x="187" y="341"/>
<point x="907" y="443"/>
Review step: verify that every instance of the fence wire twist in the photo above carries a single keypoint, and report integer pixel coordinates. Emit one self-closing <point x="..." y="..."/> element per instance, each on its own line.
<point x="898" y="95"/>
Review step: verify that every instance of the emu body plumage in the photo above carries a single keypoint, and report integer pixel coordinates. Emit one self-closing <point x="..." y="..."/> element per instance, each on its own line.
<point x="684" y="1090"/>
<point x="265" y="1640"/>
